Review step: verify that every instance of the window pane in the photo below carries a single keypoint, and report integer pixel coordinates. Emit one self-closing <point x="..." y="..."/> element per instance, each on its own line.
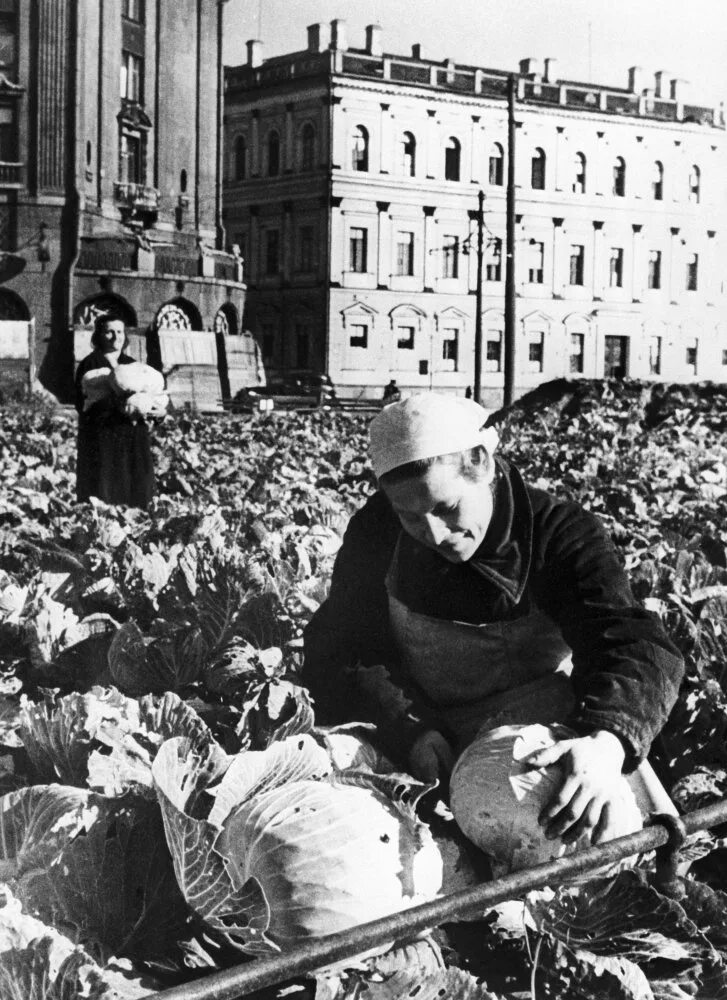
<point x="615" y="270"/>
<point x="654" y="276"/>
<point x="450" y="257"/>
<point x="493" y="351"/>
<point x="272" y="251"/>
<point x="535" y="270"/>
<point x="359" y="335"/>
<point x="357" y="250"/>
<point x="577" y="253"/>
<point x="405" y="338"/>
<point x="577" y="350"/>
<point x="360" y="149"/>
<point x="450" y="350"/>
<point x="692" y="269"/>
<point x="451" y="160"/>
<point x="405" y="254"/>
<point x="493" y="270"/>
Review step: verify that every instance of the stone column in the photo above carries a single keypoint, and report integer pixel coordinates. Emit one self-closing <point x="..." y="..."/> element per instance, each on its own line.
<point x="385" y="144"/>
<point x="560" y="258"/>
<point x="476" y="151"/>
<point x="599" y="179"/>
<point x="255" y="141"/>
<point x="289" y="152"/>
<point x="558" y="167"/>
<point x="253" y="268"/>
<point x="430" y="248"/>
<point x="599" y="263"/>
<point x="638" y="276"/>
<point x="676" y="260"/>
<point x="433" y="152"/>
<point x="325" y="156"/>
<point x="339" y="248"/>
<point x="711" y="276"/>
<point x="340" y="148"/>
<point x="383" y="246"/>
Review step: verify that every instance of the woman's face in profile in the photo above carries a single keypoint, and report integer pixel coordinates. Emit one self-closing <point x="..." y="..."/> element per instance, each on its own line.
<point x="112" y="336"/>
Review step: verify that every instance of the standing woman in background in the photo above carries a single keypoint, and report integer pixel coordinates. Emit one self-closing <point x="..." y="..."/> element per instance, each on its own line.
<point x="114" y="453"/>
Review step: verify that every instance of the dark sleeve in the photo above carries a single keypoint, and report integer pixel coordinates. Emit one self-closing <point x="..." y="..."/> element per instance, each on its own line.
<point x="626" y="672"/>
<point x="350" y="662"/>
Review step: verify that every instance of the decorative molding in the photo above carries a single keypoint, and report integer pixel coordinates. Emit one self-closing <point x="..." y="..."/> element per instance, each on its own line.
<point x="382" y="206"/>
<point x="598" y="224"/>
<point x="557" y="222"/>
<point x="637" y="227"/>
<point x="429" y="210"/>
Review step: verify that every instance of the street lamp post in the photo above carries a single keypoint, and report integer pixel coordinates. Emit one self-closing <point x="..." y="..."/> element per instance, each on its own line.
<point x="509" y="388"/>
<point x="478" y="299"/>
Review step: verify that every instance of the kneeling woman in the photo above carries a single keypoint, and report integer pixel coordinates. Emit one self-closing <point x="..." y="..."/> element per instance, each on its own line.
<point x="463" y="598"/>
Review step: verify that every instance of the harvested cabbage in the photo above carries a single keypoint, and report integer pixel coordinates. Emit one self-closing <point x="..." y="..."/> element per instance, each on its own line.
<point x="137" y="377"/>
<point x="496" y="799"/>
<point x="144" y="404"/>
<point x="96" y="385"/>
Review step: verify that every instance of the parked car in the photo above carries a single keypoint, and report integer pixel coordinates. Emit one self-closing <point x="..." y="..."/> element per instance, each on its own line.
<point x="297" y="387"/>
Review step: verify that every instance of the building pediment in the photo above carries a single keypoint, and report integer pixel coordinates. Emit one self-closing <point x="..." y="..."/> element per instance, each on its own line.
<point x="358" y="309"/>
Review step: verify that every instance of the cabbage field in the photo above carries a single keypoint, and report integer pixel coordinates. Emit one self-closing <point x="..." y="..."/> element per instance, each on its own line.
<point x="153" y="733"/>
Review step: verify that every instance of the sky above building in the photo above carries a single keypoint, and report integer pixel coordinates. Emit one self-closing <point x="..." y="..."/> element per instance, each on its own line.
<point x="593" y="40"/>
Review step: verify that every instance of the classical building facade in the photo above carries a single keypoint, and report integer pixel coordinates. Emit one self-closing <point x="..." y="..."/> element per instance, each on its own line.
<point x="110" y="172"/>
<point x="351" y="188"/>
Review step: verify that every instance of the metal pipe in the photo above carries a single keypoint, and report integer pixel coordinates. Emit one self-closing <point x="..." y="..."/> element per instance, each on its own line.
<point x="510" y="365"/>
<point x="321" y="952"/>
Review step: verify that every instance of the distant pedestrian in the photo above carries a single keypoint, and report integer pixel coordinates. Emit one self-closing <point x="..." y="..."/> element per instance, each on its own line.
<point x="392" y="393"/>
<point x="468" y="392"/>
<point x="114" y="454"/>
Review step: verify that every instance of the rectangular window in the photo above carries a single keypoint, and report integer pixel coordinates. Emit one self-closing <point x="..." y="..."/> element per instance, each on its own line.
<point x="305" y="249"/>
<point x="493" y="351"/>
<point x="450" y="350"/>
<point x="616" y="267"/>
<point x="404" y="254"/>
<point x="577" y="352"/>
<point x="134" y="10"/>
<point x="359" y="335"/>
<point x="405" y="338"/>
<point x="357" y="250"/>
<point x="272" y="251"/>
<point x="268" y="342"/>
<point x="132" y="77"/>
<point x="496" y="168"/>
<point x="302" y="345"/>
<point x="691" y="357"/>
<point x="655" y="356"/>
<point x="8" y="136"/>
<point x="130" y="159"/>
<point x="423" y="367"/>
<point x="450" y="257"/>
<point x="535" y="271"/>
<point x="493" y="268"/>
<point x="535" y="352"/>
<point x="8" y="43"/>
<point x="692" y="272"/>
<point x="577" y="257"/>
<point x="654" y="275"/>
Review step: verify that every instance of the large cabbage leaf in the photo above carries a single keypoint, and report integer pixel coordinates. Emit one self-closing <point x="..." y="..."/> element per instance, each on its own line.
<point x="114" y="888"/>
<point x="182" y="777"/>
<point x="38" y="963"/>
<point x="37" y="823"/>
<point x="104" y="739"/>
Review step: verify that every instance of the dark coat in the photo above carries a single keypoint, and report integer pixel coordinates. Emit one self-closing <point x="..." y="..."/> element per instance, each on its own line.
<point x="537" y="549"/>
<point x="114" y="460"/>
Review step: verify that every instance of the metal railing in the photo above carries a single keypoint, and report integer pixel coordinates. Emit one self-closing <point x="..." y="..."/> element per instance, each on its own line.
<point x="665" y="834"/>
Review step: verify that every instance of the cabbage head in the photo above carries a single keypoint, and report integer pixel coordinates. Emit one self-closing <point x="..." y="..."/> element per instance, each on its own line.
<point x="496" y="798"/>
<point x="274" y="846"/>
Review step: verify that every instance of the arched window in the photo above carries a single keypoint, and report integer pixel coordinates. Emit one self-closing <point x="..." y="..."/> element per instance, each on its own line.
<point x="307" y="147"/>
<point x="579" y="174"/>
<point x="497" y="160"/>
<point x="452" y="156"/>
<point x="240" y="158"/>
<point x="619" y="177"/>
<point x="360" y="149"/>
<point x="408" y="154"/>
<point x="273" y="154"/>
<point x="537" y="170"/>
<point x="695" y="178"/>
<point x="657" y="181"/>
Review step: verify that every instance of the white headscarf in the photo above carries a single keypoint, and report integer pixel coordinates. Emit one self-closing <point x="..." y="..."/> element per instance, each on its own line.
<point x="427" y="425"/>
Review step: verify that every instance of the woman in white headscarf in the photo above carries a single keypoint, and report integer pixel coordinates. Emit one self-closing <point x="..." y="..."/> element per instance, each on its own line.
<point x="463" y="598"/>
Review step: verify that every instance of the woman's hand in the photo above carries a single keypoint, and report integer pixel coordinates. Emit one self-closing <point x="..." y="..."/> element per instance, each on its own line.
<point x="588" y="797"/>
<point x="431" y="757"/>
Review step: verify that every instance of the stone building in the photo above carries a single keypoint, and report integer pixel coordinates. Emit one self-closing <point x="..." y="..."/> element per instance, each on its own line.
<point x="110" y="183"/>
<point x="351" y="187"/>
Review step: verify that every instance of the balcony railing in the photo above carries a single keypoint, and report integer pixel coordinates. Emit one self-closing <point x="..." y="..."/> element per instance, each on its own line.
<point x="11" y="174"/>
<point x="138" y="197"/>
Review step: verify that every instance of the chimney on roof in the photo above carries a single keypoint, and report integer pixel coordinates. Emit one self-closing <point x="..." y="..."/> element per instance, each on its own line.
<point x="549" y="70"/>
<point x="678" y="90"/>
<point x="417" y="51"/>
<point x="530" y="67"/>
<point x="338" y="34"/>
<point x="254" y="53"/>
<point x="374" y="45"/>
<point x="636" y="79"/>
<point x="661" y="79"/>
<point x="317" y="37"/>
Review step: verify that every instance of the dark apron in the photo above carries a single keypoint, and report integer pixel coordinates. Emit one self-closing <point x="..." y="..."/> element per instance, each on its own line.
<point x="503" y="673"/>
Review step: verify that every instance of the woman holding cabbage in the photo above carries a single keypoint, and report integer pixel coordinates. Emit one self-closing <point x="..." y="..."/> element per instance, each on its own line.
<point x="464" y="599"/>
<point x="114" y="397"/>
